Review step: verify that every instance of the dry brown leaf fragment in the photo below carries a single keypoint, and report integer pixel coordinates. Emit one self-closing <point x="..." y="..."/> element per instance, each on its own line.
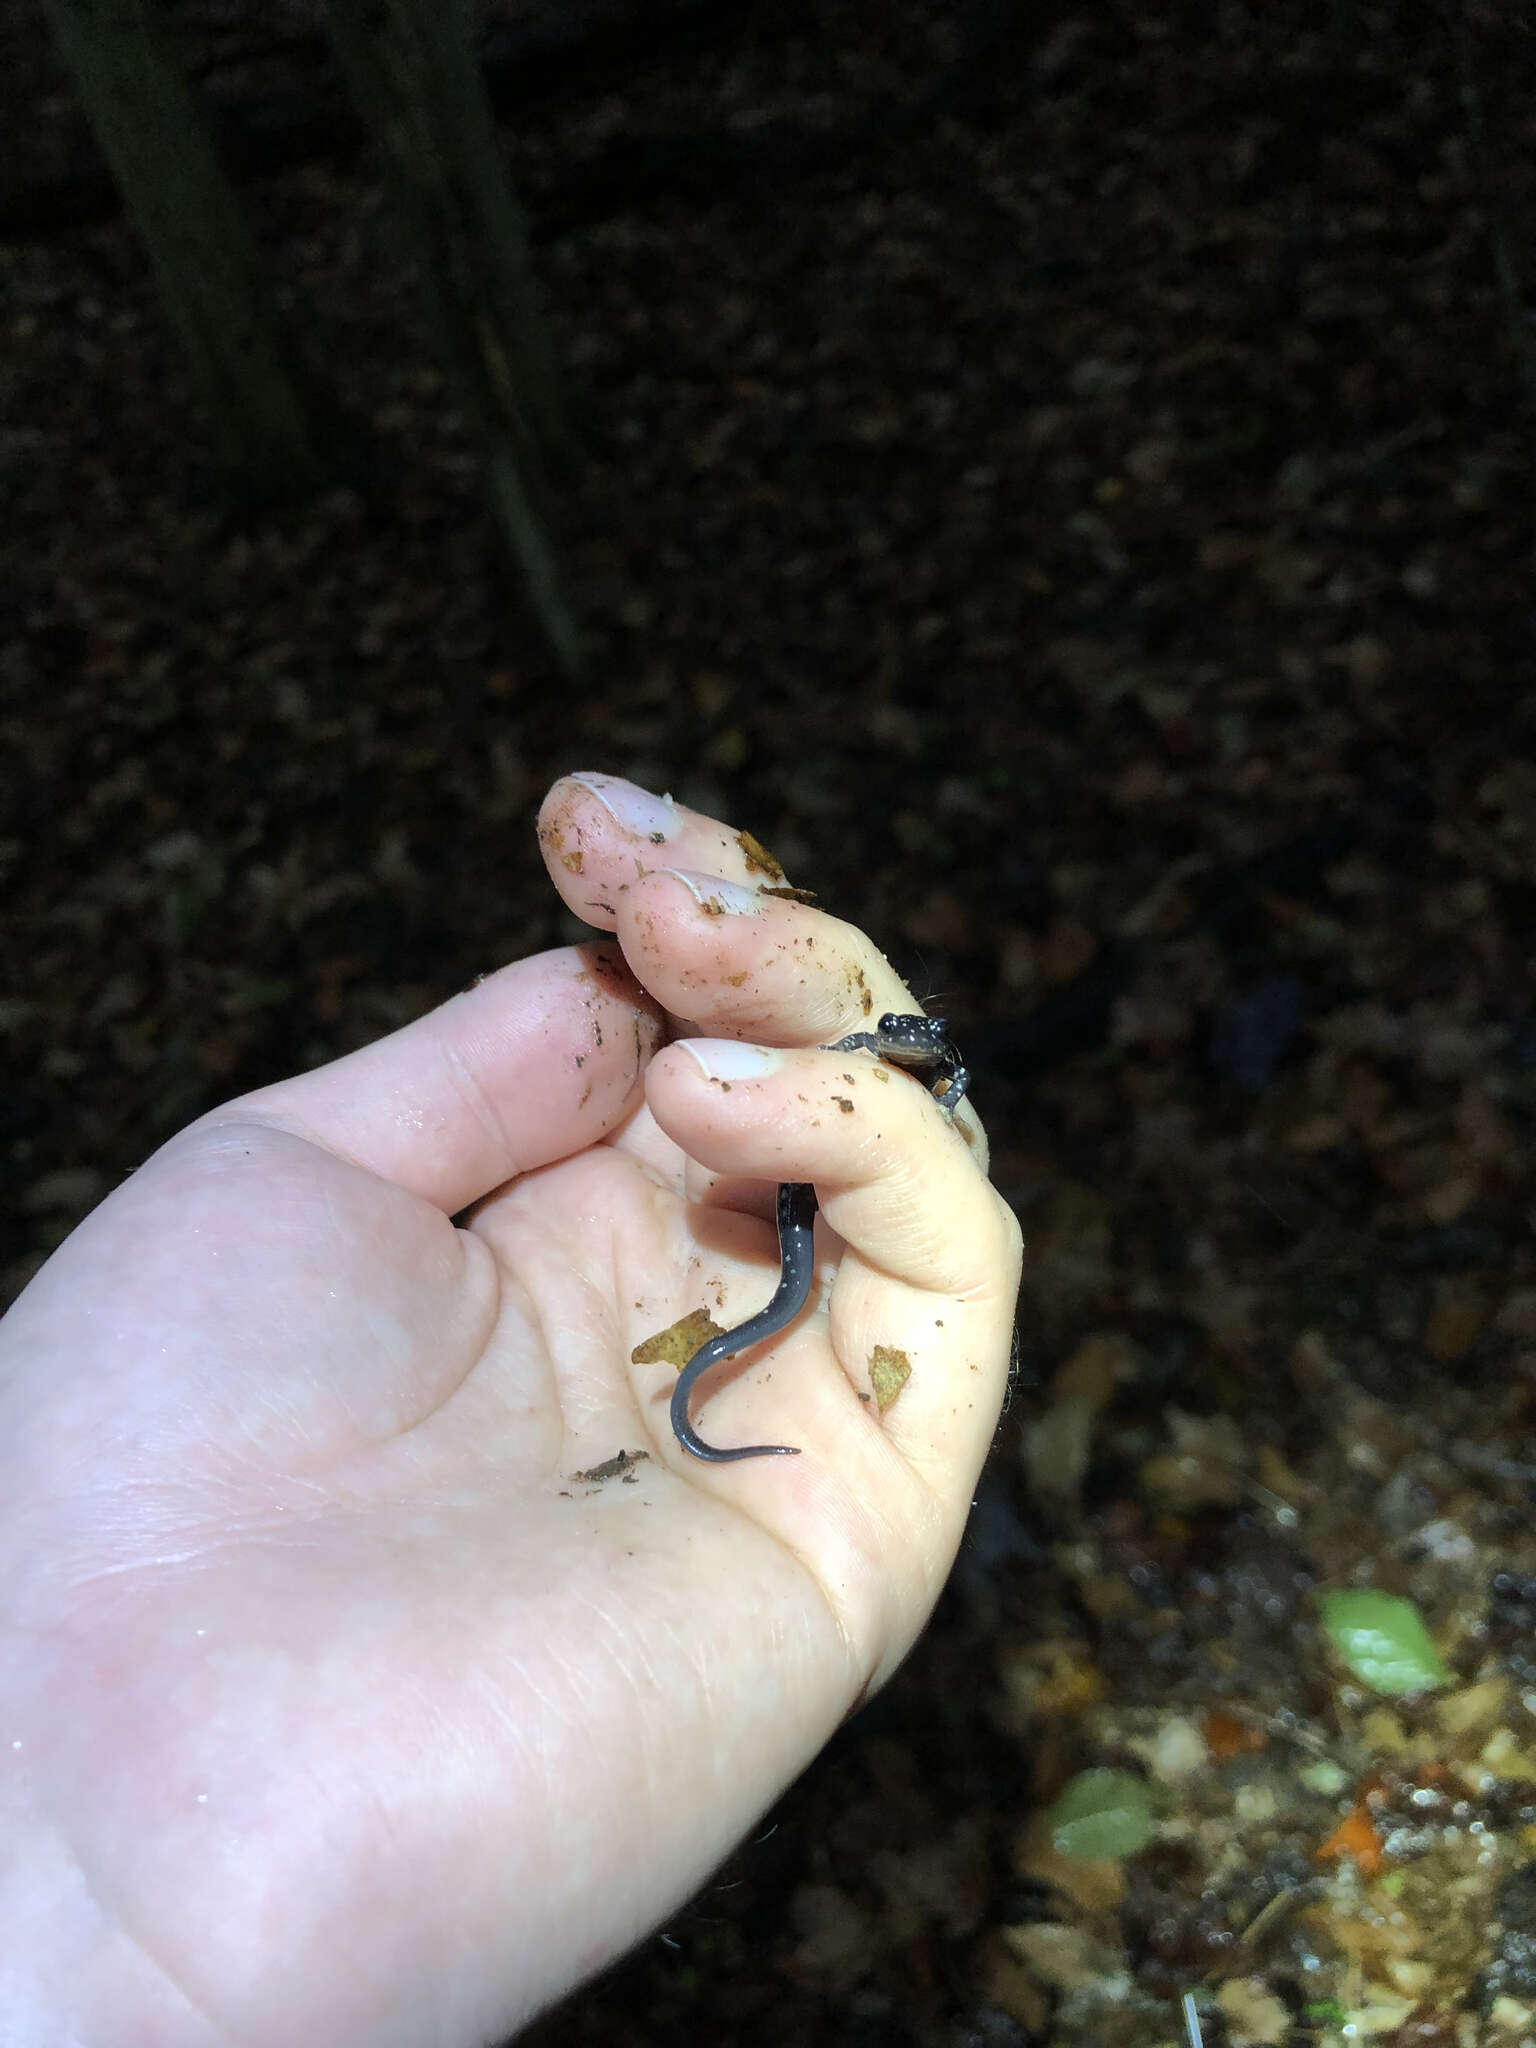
<point x="620" y="1466"/>
<point x="757" y="857"/>
<point x="1103" y="1361"/>
<point x="1056" y="1679"/>
<point x="1255" y="2016"/>
<point x="1094" y="1885"/>
<point x="1517" y="1313"/>
<point x="677" y="1343"/>
<point x="889" y="1370"/>
<point x="1457" y="1317"/>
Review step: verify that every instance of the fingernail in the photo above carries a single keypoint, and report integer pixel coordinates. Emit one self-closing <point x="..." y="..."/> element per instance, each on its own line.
<point x="632" y="808"/>
<point x="714" y="895"/>
<point x="730" y="1059"/>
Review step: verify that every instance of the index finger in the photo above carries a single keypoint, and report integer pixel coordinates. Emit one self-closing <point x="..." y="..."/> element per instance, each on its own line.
<point x="707" y="919"/>
<point x="600" y="833"/>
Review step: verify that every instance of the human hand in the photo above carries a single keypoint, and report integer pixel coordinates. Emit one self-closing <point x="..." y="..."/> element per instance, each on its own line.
<point x="334" y="1707"/>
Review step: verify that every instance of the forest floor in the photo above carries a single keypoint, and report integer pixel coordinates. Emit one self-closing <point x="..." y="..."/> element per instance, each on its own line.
<point x="1087" y="536"/>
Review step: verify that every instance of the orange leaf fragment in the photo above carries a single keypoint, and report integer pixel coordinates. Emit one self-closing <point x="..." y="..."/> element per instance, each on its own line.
<point x="1356" y="1837"/>
<point x="1226" y="1736"/>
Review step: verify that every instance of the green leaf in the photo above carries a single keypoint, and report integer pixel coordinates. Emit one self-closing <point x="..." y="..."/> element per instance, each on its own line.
<point x="1102" y="1814"/>
<point x="1383" y="1640"/>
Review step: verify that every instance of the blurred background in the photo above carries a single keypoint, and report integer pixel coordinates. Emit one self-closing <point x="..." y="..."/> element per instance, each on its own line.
<point x="1061" y="478"/>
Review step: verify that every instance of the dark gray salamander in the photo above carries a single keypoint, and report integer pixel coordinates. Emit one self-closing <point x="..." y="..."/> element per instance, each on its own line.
<point x="921" y="1045"/>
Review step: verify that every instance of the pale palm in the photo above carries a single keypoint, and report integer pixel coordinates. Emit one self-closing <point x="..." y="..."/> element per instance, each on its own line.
<point x="351" y="1712"/>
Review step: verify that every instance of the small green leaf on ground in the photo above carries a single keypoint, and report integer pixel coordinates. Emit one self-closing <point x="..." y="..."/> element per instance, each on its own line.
<point x="1102" y="1814"/>
<point x="1383" y="1640"/>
